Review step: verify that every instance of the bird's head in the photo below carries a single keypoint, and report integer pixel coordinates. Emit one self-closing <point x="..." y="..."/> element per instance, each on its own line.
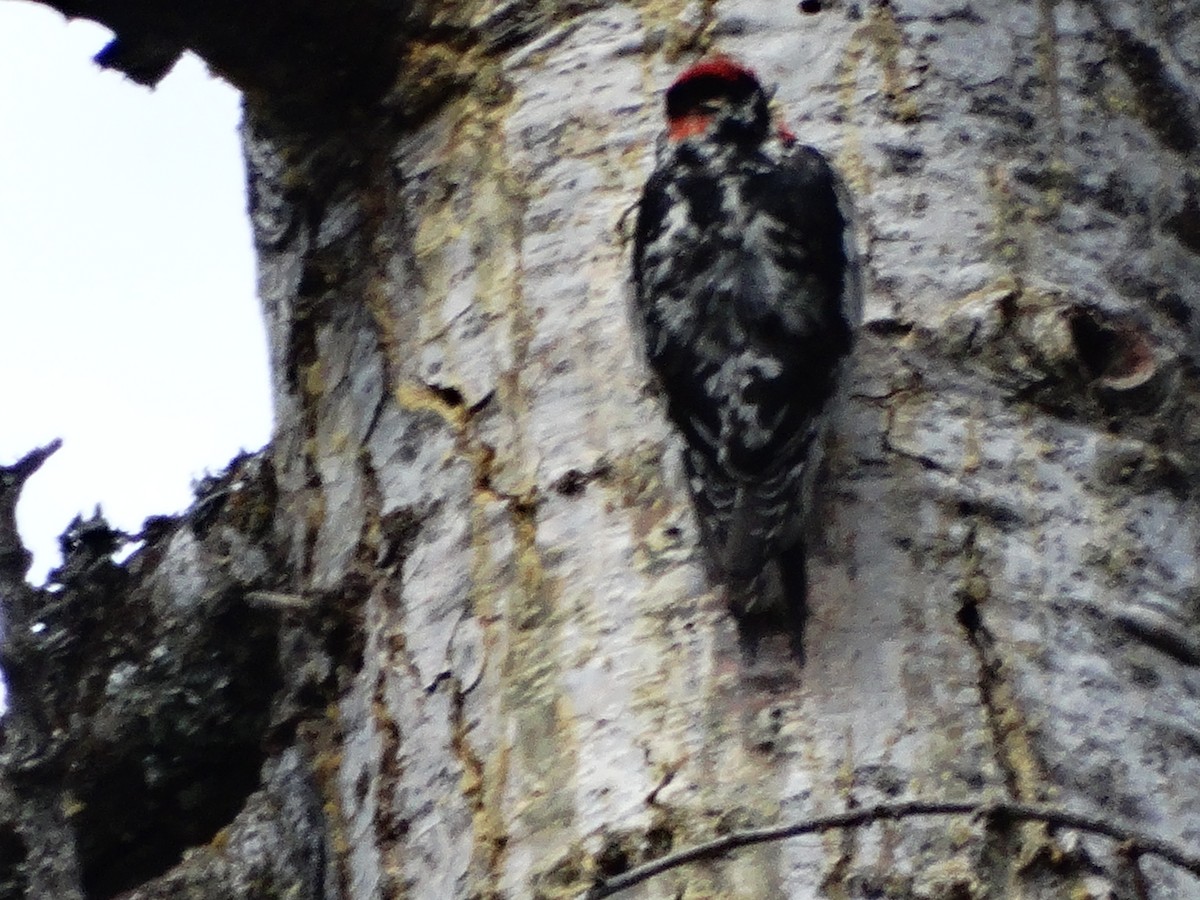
<point x="718" y="96"/>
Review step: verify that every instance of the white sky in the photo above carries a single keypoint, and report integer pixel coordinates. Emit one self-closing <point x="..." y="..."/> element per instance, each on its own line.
<point x="128" y="320"/>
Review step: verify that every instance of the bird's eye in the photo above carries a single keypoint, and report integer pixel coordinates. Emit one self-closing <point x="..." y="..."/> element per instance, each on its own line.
<point x="710" y="106"/>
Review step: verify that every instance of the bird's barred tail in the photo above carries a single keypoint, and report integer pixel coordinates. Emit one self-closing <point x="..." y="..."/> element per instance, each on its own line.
<point x="753" y="532"/>
<point x="772" y="600"/>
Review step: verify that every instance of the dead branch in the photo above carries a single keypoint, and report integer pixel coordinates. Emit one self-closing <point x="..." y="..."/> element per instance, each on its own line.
<point x="1134" y="842"/>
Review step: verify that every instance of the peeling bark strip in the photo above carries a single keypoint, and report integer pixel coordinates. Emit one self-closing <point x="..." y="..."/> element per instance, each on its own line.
<point x="451" y="636"/>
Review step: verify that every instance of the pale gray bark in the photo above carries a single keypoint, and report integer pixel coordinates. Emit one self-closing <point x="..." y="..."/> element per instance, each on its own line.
<point x="472" y="476"/>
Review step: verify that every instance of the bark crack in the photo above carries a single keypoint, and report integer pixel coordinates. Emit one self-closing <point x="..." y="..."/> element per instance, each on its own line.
<point x="1012" y="750"/>
<point x="1007" y="852"/>
<point x="478" y="787"/>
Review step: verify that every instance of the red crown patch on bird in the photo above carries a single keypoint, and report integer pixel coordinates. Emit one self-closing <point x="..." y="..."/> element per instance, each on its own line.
<point x="694" y="98"/>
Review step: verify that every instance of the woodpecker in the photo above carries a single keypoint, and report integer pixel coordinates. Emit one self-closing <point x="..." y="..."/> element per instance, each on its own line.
<point x="746" y="286"/>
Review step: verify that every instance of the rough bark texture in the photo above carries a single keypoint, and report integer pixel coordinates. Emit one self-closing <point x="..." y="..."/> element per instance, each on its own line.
<point x="457" y="613"/>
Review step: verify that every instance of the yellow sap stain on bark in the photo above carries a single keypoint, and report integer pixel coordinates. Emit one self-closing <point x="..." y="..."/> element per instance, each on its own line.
<point x="313" y="380"/>
<point x="543" y="746"/>
<point x="881" y="36"/>
<point x="850" y="160"/>
<point x="379" y="306"/>
<point x="1011" y="228"/>
<point x="468" y="247"/>
<point x="972" y="448"/>
<point x="416" y="397"/>
<point x="887" y="38"/>
<point x="679" y="27"/>
<point x="1046" y="53"/>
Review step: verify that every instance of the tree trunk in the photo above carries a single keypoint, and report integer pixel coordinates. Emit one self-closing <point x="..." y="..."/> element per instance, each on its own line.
<point x="451" y="635"/>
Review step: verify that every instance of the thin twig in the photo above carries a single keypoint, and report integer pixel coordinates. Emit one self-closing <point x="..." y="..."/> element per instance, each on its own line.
<point x="13" y="478"/>
<point x="998" y="810"/>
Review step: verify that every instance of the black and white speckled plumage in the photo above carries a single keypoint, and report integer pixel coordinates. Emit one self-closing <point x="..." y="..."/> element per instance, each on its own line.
<point x="747" y="290"/>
